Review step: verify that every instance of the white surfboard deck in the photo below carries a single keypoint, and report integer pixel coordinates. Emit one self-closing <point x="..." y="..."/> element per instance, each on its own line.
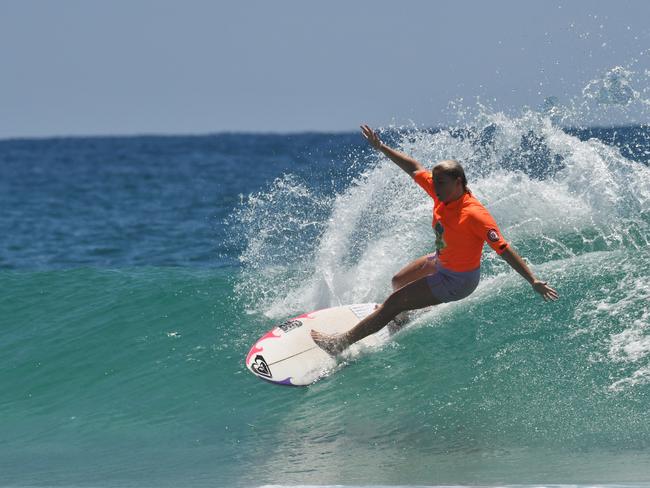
<point x="287" y="355"/>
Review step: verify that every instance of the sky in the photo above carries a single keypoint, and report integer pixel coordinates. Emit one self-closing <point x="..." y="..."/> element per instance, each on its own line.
<point x="122" y="67"/>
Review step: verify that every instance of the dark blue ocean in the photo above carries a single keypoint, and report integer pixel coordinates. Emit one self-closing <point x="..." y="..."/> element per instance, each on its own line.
<point x="136" y="272"/>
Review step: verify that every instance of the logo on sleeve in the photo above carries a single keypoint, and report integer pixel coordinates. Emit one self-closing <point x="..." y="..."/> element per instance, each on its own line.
<point x="493" y="235"/>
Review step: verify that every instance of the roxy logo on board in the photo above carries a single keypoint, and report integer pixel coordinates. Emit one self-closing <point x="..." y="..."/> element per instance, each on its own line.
<point x="260" y="367"/>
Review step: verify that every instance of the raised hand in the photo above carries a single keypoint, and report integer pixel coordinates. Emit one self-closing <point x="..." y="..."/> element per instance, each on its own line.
<point x="371" y="136"/>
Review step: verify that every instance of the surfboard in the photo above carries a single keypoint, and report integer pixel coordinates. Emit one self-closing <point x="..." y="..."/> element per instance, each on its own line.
<point x="287" y="355"/>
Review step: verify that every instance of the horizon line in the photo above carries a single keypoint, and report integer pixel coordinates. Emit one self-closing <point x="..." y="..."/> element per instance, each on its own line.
<point x="259" y="133"/>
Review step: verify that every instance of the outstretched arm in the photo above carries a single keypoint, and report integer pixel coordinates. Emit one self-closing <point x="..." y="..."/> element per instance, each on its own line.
<point x="518" y="264"/>
<point x="405" y="162"/>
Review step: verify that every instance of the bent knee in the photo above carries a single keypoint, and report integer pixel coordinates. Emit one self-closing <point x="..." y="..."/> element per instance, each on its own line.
<point x="400" y="280"/>
<point x="396" y="282"/>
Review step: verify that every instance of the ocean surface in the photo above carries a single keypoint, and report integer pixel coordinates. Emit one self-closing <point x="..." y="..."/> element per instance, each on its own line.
<point x="136" y="272"/>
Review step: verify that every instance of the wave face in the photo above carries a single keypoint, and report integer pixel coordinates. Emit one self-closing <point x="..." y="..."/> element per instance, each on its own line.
<point x="500" y="381"/>
<point x="138" y="272"/>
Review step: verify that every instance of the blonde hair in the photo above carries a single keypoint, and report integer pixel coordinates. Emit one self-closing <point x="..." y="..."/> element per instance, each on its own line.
<point x="452" y="168"/>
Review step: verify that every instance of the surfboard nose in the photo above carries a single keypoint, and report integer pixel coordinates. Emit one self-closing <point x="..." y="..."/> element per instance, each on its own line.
<point x="288" y="355"/>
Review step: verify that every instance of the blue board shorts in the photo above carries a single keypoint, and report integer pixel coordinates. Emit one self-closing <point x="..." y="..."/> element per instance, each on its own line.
<point x="449" y="286"/>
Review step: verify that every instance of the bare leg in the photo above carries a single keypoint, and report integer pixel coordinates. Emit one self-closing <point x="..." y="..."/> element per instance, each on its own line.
<point x="410" y="297"/>
<point x="419" y="268"/>
<point x="400" y="321"/>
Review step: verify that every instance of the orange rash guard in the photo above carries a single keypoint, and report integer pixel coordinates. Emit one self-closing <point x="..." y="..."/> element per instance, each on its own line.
<point x="461" y="228"/>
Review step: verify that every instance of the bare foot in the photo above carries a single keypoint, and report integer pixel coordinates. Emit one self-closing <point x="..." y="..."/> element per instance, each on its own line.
<point x="331" y="344"/>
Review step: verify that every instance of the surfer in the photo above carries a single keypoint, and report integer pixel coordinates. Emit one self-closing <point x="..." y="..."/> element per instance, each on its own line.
<point x="461" y="225"/>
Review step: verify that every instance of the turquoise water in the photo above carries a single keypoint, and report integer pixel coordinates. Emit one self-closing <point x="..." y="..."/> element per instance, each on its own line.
<point x="137" y="272"/>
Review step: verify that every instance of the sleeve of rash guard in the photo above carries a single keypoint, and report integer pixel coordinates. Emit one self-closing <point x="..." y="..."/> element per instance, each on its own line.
<point x="425" y="180"/>
<point x="486" y="228"/>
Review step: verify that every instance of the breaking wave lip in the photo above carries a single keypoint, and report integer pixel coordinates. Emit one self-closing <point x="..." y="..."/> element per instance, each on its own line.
<point x="306" y="251"/>
<point x="557" y="199"/>
<point x="614" y="88"/>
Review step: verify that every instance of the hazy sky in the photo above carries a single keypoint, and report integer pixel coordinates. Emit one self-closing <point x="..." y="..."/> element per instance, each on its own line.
<point x="131" y="67"/>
